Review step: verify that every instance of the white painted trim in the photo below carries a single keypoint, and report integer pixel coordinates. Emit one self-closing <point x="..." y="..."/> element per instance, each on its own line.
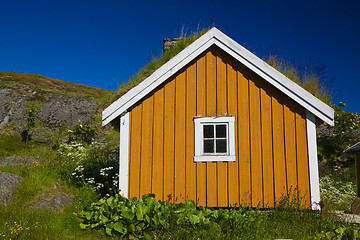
<point x="215" y="37"/>
<point x="124" y="155"/>
<point x="158" y="77"/>
<point x="313" y="161"/>
<point x="281" y="82"/>
<point x="212" y="158"/>
<point x="199" y="155"/>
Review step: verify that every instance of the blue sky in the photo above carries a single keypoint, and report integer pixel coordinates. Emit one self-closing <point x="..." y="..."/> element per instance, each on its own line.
<point x="103" y="43"/>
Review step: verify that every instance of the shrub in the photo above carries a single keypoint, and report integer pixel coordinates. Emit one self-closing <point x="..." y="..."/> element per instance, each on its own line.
<point x="336" y="192"/>
<point x="94" y="165"/>
<point x="32" y="112"/>
<point x="342" y="135"/>
<point x="82" y="133"/>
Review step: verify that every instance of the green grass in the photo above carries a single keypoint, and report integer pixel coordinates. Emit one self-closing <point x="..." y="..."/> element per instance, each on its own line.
<point x="309" y="78"/>
<point x="45" y="86"/>
<point x="278" y="224"/>
<point x="17" y="221"/>
<point x="42" y="224"/>
<point x="14" y="145"/>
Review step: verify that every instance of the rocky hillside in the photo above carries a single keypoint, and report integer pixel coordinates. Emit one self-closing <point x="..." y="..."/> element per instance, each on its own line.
<point x="58" y="102"/>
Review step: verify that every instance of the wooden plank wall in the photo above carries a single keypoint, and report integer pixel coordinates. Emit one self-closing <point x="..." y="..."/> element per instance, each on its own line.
<point x="270" y="131"/>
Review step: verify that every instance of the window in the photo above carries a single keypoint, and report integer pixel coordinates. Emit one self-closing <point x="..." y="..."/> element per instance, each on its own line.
<point x="214" y="139"/>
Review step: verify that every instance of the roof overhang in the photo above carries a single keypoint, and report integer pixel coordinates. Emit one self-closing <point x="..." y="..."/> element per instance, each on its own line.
<point x="353" y="149"/>
<point x="250" y="60"/>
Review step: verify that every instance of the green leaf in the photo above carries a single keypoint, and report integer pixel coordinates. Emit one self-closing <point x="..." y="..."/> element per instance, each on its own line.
<point x="89" y="215"/>
<point x="206" y="221"/>
<point x="147" y="236"/>
<point x="103" y="218"/>
<point x="139" y="216"/>
<point x="110" y="202"/>
<point x="131" y="228"/>
<point x="94" y="225"/>
<point x="141" y="210"/>
<point x="329" y="235"/>
<point x="194" y="219"/>
<point x="215" y="214"/>
<point x="84" y="226"/>
<point x="147" y="218"/>
<point x="340" y="231"/>
<point x="108" y="231"/>
<point x="118" y="226"/>
<point x="127" y="213"/>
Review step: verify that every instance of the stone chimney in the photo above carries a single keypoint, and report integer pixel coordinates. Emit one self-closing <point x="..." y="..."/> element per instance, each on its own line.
<point x="169" y="43"/>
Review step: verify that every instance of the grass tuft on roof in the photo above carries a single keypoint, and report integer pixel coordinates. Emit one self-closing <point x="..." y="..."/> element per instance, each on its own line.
<point x="156" y="63"/>
<point x="311" y="78"/>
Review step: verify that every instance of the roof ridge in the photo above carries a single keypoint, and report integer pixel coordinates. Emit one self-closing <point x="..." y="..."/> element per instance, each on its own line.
<point x="244" y="56"/>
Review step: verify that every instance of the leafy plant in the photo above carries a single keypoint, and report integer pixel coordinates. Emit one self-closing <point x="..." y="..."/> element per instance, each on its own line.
<point x="140" y="218"/>
<point x="82" y="133"/>
<point x="58" y="136"/>
<point x="95" y="165"/>
<point x="343" y="232"/>
<point x="341" y="135"/>
<point x="32" y="112"/>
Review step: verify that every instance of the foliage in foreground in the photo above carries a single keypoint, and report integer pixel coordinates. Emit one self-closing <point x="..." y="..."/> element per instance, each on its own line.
<point x="140" y="217"/>
<point x="338" y="189"/>
<point x="151" y="219"/>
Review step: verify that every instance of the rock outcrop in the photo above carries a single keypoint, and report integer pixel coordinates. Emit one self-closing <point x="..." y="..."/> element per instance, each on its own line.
<point x="8" y="184"/>
<point x="57" y="101"/>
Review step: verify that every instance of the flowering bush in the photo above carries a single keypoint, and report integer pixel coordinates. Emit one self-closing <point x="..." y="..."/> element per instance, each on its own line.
<point x="337" y="194"/>
<point x="99" y="168"/>
<point x="75" y="152"/>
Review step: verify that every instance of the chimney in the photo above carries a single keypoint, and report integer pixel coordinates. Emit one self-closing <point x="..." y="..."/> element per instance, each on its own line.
<point x="169" y="43"/>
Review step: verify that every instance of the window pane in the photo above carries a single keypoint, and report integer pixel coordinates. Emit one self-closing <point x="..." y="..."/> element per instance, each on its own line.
<point x="208" y="146"/>
<point x="208" y="131"/>
<point x="221" y="146"/>
<point x="221" y="131"/>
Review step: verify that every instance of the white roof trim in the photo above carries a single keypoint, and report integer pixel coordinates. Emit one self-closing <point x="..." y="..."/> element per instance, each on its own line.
<point x="215" y="37"/>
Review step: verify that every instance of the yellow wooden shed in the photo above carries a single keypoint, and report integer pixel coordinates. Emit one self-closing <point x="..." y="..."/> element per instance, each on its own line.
<point x="218" y="125"/>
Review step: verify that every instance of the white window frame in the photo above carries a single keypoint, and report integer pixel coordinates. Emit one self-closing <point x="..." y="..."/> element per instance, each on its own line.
<point x="200" y="156"/>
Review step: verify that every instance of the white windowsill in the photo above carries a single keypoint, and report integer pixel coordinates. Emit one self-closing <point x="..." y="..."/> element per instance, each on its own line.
<point x="214" y="158"/>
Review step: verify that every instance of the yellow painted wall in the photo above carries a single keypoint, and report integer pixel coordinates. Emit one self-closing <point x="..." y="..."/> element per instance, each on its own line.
<point x="270" y="138"/>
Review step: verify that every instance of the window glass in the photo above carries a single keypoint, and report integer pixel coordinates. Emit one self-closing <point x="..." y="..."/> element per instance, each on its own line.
<point x="221" y="146"/>
<point x="208" y="131"/>
<point x="220" y="131"/>
<point x="208" y="146"/>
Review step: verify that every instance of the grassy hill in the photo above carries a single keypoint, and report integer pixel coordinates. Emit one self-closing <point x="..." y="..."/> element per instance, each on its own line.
<point x="46" y="85"/>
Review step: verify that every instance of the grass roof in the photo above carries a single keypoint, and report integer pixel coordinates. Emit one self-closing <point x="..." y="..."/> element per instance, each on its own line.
<point x="156" y="63"/>
<point x="308" y="78"/>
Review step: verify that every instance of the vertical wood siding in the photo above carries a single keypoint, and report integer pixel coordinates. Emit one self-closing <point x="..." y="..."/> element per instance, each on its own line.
<point x="270" y="139"/>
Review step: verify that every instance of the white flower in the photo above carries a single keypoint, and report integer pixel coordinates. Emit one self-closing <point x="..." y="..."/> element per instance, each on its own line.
<point x="90" y="180"/>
